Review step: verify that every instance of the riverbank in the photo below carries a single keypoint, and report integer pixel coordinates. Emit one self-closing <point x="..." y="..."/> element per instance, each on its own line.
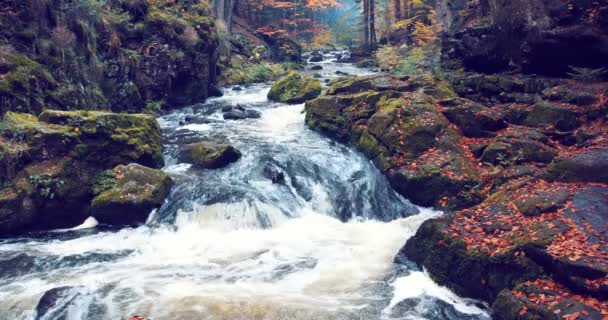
<point x="520" y="163"/>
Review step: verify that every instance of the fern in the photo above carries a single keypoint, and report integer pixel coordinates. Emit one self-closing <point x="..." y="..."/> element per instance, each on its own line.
<point x="587" y="74"/>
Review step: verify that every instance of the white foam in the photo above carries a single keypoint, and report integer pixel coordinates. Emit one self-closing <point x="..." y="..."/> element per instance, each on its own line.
<point x="200" y="127"/>
<point x="88" y="223"/>
<point x="313" y="261"/>
<point x="419" y="284"/>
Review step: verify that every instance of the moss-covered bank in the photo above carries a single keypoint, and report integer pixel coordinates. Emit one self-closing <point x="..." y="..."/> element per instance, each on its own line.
<point x="126" y="56"/>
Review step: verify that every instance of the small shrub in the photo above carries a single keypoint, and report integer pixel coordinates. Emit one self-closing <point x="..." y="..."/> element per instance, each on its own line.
<point x="389" y="57"/>
<point x="46" y="185"/>
<point x="412" y="62"/>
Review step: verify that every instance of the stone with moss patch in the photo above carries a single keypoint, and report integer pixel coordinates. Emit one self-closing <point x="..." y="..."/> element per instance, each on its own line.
<point x="128" y="193"/>
<point x="210" y="156"/>
<point x="295" y="89"/>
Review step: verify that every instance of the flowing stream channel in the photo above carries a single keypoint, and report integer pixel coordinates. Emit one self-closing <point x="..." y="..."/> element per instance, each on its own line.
<point x="318" y="242"/>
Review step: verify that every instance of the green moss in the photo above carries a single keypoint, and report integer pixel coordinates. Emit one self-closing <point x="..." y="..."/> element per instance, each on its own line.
<point x="21" y="119"/>
<point x="294" y="88"/>
<point x="104" y="181"/>
<point x="242" y="71"/>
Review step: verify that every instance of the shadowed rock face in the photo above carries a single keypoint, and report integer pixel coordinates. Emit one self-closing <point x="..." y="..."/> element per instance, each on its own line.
<point x="541" y="37"/>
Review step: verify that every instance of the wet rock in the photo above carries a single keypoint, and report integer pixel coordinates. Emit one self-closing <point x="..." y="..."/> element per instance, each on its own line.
<point x="368" y="112"/>
<point x="273" y="173"/>
<point x="542" y="202"/>
<point x="468" y="273"/>
<point x="317" y="75"/>
<point x="587" y="166"/>
<point x="209" y="156"/>
<point x="127" y="194"/>
<point x="316" y="67"/>
<point x="54" y="303"/>
<point x="571" y="94"/>
<point x="197" y="120"/>
<point x="237" y="88"/>
<point x="341" y="73"/>
<point x="239" y="113"/>
<point x="316" y="57"/>
<point x="295" y="89"/>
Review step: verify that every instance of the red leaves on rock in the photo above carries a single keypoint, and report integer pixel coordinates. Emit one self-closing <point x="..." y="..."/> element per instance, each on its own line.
<point x="556" y="293"/>
<point x="523" y="311"/>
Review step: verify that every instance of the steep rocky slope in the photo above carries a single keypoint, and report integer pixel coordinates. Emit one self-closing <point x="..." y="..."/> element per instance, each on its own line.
<point x="105" y="55"/>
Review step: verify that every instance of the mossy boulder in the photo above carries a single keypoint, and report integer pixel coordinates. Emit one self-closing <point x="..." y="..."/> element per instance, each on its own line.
<point x="295" y="89"/>
<point x="475" y="120"/>
<point x="49" y="162"/>
<point x="127" y="194"/>
<point x="113" y="138"/>
<point x="549" y="114"/>
<point x="209" y="156"/>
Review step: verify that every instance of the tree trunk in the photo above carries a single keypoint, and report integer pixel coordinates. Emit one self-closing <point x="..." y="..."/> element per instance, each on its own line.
<point x="230" y="12"/>
<point x="372" y="24"/>
<point x="366" y="22"/>
<point x="397" y="10"/>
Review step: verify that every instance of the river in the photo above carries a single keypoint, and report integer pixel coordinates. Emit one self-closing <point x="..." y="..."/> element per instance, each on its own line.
<point x="318" y="243"/>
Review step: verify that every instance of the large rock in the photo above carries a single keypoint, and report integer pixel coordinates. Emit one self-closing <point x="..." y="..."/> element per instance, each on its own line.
<point x="504" y="250"/>
<point x="50" y="162"/>
<point x="408" y="139"/>
<point x="587" y="166"/>
<point x="239" y="113"/>
<point x="535" y="36"/>
<point x="209" y="156"/>
<point x="547" y="114"/>
<point x="55" y="303"/>
<point x="127" y="194"/>
<point x="295" y="89"/>
<point x="518" y="145"/>
<point x="475" y="120"/>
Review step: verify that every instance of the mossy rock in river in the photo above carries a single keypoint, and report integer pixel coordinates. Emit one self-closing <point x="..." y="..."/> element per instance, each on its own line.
<point x="209" y="156"/>
<point x="295" y="89"/>
<point x="48" y="163"/>
<point x="127" y="194"/>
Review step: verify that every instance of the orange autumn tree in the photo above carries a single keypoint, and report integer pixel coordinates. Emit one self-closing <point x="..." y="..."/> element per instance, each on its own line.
<point x="299" y="19"/>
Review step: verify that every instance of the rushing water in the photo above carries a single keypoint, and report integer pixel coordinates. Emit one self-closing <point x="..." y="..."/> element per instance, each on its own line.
<point x="231" y="244"/>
